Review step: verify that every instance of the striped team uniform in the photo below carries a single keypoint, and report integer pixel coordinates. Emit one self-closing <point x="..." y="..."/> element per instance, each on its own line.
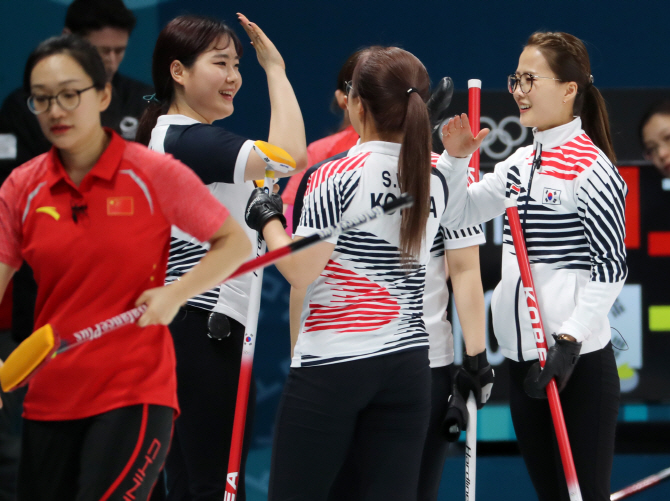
<point x="363" y="304"/>
<point x="571" y="205"/>
<point x="219" y="158"/>
<point x="436" y="293"/>
<point x="571" y="202"/>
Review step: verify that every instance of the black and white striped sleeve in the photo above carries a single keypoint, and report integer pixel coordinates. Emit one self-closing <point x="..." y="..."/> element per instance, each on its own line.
<point x="466" y="237"/>
<point x="600" y="197"/>
<point x="601" y="203"/>
<point x="325" y="203"/>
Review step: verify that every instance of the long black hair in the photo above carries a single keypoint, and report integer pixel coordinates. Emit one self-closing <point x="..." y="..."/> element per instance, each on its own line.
<point x="393" y="86"/>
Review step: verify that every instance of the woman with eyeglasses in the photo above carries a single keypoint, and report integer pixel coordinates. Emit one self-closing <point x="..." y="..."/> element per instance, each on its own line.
<point x="571" y="204"/>
<point x="92" y="217"/>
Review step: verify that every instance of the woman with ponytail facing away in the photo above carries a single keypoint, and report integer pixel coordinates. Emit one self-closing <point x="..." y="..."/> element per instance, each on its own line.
<point x="360" y="366"/>
<point x="571" y="202"/>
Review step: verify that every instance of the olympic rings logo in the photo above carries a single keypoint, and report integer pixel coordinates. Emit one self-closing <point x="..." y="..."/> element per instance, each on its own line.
<point x="499" y="134"/>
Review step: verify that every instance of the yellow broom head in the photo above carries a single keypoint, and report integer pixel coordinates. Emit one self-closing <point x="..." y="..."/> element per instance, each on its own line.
<point x="275" y="157"/>
<point x="27" y="357"/>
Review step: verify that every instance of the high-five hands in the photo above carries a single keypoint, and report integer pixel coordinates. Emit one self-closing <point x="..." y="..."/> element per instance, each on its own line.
<point x="267" y="53"/>
<point x="457" y="138"/>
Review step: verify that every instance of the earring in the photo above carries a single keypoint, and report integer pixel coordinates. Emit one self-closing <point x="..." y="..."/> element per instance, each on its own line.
<point x="563" y="102"/>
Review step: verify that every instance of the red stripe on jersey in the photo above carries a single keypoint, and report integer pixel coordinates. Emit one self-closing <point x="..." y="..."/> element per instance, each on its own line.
<point x="569" y="160"/>
<point x="335" y="167"/>
<point x="358" y="304"/>
<point x="434" y="157"/>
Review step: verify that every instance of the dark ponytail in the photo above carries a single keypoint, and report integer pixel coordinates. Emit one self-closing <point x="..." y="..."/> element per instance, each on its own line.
<point x="149" y="119"/>
<point x="569" y="60"/>
<point x="183" y="39"/>
<point x="414" y="178"/>
<point x="595" y="120"/>
<point x="393" y="86"/>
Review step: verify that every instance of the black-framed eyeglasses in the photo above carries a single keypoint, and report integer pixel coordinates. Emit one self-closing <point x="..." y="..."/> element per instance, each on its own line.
<point x="67" y="99"/>
<point x="525" y="82"/>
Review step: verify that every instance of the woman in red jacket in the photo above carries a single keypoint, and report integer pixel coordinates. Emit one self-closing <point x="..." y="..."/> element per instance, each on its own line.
<point x="92" y="217"/>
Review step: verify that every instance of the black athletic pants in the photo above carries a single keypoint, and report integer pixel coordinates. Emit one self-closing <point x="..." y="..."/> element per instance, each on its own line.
<point x="435" y="448"/>
<point x="591" y="405"/>
<point x="111" y="456"/>
<point x="208" y="372"/>
<point x="381" y="403"/>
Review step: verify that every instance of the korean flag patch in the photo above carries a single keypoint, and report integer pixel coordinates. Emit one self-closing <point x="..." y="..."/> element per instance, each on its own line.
<point x="551" y="197"/>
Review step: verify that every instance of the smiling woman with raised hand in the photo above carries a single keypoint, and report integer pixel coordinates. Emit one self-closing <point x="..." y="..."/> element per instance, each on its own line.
<point x="196" y="73"/>
<point x="78" y="215"/>
<point x="571" y="202"/>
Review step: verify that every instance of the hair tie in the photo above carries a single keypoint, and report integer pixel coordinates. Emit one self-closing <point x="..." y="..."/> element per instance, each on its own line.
<point x="151" y="98"/>
<point x="591" y="79"/>
<point x="410" y="90"/>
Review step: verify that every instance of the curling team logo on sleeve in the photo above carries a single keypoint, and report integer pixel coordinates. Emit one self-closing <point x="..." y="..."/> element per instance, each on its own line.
<point x="551" y="197"/>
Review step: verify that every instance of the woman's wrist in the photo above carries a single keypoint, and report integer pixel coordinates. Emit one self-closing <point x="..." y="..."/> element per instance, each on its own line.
<point x="177" y="292"/>
<point x="275" y="70"/>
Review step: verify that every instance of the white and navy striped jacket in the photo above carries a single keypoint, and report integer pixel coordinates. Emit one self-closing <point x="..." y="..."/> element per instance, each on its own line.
<point x="219" y="158"/>
<point x="574" y="225"/>
<point x="364" y="304"/>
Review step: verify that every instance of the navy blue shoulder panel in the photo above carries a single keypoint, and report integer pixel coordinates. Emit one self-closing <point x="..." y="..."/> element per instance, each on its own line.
<point x="210" y="151"/>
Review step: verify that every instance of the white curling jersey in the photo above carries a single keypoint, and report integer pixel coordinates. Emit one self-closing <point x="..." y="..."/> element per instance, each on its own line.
<point x="364" y="304"/>
<point x="219" y="158"/>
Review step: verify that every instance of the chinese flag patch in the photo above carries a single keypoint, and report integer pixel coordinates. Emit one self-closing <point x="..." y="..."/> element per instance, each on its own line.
<point x="120" y="206"/>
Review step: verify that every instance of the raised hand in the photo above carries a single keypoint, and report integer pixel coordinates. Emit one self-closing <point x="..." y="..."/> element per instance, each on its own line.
<point x="268" y="55"/>
<point x="457" y="138"/>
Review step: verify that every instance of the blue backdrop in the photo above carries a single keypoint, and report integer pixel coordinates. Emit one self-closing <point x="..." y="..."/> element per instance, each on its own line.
<point x="474" y="39"/>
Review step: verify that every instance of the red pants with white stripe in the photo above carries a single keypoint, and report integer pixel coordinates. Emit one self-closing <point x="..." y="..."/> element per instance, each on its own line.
<point x="112" y="456"/>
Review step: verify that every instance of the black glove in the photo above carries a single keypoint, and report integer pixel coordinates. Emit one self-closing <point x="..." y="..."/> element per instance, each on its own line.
<point x="456" y="418"/>
<point x="437" y="104"/>
<point x="261" y="208"/>
<point x="561" y="361"/>
<point x="476" y="375"/>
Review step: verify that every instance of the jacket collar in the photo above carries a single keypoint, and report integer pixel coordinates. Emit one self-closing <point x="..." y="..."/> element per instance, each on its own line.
<point x="382" y="147"/>
<point x="557" y="136"/>
<point x="165" y="120"/>
<point x="104" y="168"/>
